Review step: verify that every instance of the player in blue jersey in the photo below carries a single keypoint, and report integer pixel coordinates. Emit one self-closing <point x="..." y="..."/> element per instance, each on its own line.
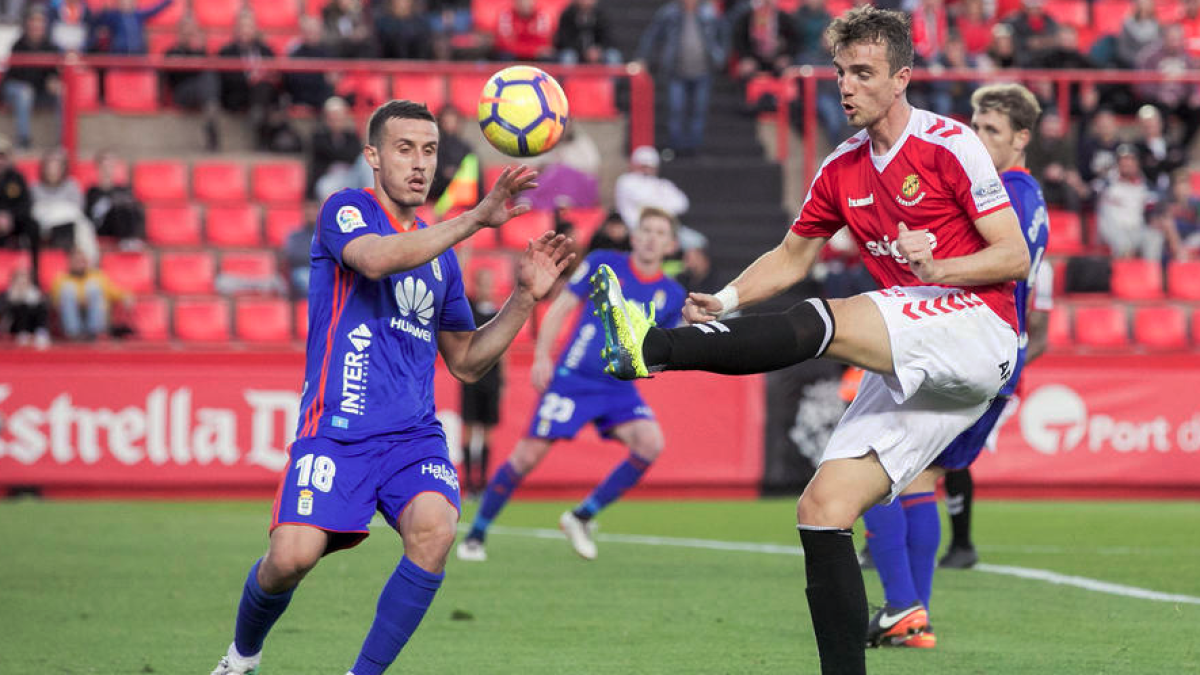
<point x="575" y="390"/>
<point x="385" y="298"/>
<point x="903" y="536"/>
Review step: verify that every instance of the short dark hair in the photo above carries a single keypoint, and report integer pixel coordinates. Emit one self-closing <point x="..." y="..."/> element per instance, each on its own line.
<point x="1013" y="101"/>
<point x="398" y="109"/>
<point x="872" y="25"/>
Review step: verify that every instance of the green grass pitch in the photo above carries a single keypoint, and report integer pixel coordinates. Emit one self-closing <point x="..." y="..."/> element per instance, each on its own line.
<point x="118" y="588"/>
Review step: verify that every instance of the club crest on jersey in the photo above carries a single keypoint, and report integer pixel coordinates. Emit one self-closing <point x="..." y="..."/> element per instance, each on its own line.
<point x="908" y="191"/>
<point x="349" y="219"/>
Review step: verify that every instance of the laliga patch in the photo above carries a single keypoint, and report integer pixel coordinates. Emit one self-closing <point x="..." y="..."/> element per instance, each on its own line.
<point x="305" y="503"/>
<point x="349" y="219"/>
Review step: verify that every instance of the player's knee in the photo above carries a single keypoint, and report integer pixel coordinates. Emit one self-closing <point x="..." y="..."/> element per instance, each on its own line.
<point x="823" y="510"/>
<point x="527" y="455"/>
<point x="428" y="543"/>
<point x="647" y="446"/>
<point x="284" y="566"/>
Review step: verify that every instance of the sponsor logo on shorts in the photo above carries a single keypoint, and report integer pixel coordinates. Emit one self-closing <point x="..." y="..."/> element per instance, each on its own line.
<point x="349" y="219"/>
<point x="304" y="505"/>
<point x="441" y="472"/>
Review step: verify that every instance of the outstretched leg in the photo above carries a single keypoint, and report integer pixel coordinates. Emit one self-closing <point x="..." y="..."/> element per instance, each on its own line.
<point x="528" y="453"/>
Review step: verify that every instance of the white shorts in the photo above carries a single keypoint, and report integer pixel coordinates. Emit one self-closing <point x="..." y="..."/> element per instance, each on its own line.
<point x="948" y="366"/>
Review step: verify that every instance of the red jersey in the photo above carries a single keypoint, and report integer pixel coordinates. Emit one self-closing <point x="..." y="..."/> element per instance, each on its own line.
<point x="938" y="177"/>
<point x="529" y="37"/>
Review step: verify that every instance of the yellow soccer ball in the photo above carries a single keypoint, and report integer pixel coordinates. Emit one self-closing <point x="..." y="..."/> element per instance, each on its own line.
<point x="522" y="111"/>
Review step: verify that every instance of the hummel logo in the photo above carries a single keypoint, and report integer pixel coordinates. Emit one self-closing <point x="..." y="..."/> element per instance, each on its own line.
<point x="360" y="337"/>
<point x="865" y="201"/>
<point x="886" y="620"/>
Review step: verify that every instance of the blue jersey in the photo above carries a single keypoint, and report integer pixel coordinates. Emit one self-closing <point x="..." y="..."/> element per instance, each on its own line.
<point x="1026" y="197"/>
<point x="372" y="344"/>
<point x="582" y="354"/>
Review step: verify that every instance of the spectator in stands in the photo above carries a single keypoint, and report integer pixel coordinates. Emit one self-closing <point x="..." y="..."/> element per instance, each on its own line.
<point x="335" y="147"/>
<point x="613" y="234"/>
<point x="71" y="25"/>
<point x="1063" y="53"/>
<point x="253" y="90"/>
<point x="23" y="310"/>
<point x="811" y="19"/>
<point x="1177" y="100"/>
<point x="453" y="148"/>
<point x="83" y="295"/>
<point x="196" y="90"/>
<point x="1183" y="208"/>
<point x="18" y="229"/>
<point x="1033" y="30"/>
<point x="1190" y="20"/>
<point x="297" y="249"/>
<point x="953" y="97"/>
<point x="764" y="40"/>
<point x="348" y="29"/>
<point x="122" y="29"/>
<point x="403" y="33"/>
<point x="1121" y="214"/>
<point x="28" y="87"/>
<point x="930" y="29"/>
<point x="58" y="207"/>
<point x="314" y="88"/>
<point x="1052" y="160"/>
<point x="1140" y="31"/>
<point x="1002" y="53"/>
<point x="571" y="171"/>
<point x="685" y="43"/>
<point x="698" y="274"/>
<point x="111" y="206"/>
<point x="1160" y="157"/>
<point x="584" y="35"/>
<point x="11" y="11"/>
<point x="975" y="25"/>
<point x="1098" y="151"/>
<point x="524" y="32"/>
<point x="641" y="186"/>
<point x="453" y="29"/>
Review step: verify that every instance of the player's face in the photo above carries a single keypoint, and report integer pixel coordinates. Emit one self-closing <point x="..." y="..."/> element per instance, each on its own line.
<point x="652" y="240"/>
<point x="1003" y="144"/>
<point x="405" y="160"/>
<point x="868" y="90"/>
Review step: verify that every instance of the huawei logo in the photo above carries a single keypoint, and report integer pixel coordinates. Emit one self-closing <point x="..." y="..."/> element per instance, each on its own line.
<point x="414" y="298"/>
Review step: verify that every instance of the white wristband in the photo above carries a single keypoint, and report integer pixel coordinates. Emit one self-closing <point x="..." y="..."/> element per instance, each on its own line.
<point x="729" y="299"/>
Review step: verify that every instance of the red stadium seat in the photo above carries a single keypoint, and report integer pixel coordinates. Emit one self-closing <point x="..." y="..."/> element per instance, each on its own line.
<point x="591" y="97"/>
<point x="173" y="225"/>
<point x="368" y="90"/>
<point x="516" y="233"/>
<point x="503" y="273"/>
<point x="219" y="181"/>
<point x="586" y="221"/>
<point x="1066" y="233"/>
<point x="251" y="265"/>
<point x="1071" y="12"/>
<point x="216" y="13"/>
<point x="263" y="320"/>
<point x="84" y="171"/>
<point x="464" y="92"/>
<point x="276" y="15"/>
<point x="1108" y="15"/>
<point x="150" y="318"/>
<point x="1183" y="281"/>
<point x="234" y="226"/>
<point x="29" y="167"/>
<point x="10" y="261"/>
<point x="133" y="271"/>
<point x="301" y="319"/>
<point x="1162" y="327"/>
<point x="52" y="263"/>
<point x="491" y="172"/>
<point x="86" y="91"/>
<point x="485" y="14"/>
<point x="1101" y="326"/>
<point x="278" y="182"/>
<point x="1194" y="181"/>
<point x="183" y="272"/>
<point x="1137" y="279"/>
<point x="202" y="319"/>
<point x="168" y="18"/>
<point x="158" y="42"/>
<point x="164" y="180"/>
<point x="131" y="91"/>
<point x="1058" y="335"/>
<point x="428" y="88"/>
<point x="281" y="221"/>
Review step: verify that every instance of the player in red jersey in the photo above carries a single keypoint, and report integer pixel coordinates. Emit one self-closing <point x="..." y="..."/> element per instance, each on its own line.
<point x="934" y="225"/>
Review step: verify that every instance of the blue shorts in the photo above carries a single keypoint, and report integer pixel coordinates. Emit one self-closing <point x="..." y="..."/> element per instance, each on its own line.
<point x="571" y="402"/>
<point x="966" y="447"/>
<point x="338" y="488"/>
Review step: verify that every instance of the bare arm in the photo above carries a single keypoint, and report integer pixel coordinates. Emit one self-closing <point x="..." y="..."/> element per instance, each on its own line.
<point x="1037" y="328"/>
<point x="543" y="360"/>
<point x="1005" y="258"/>
<point x="774" y="272"/>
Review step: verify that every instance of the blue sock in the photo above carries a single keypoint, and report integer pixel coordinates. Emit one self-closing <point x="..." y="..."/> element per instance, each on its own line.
<point x="888" y="533"/>
<point x="257" y="612"/>
<point x="499" y="489"/>
<point x="924" y="535"/>
<point x="623" y="477"/>
<point x="402" y="604"/>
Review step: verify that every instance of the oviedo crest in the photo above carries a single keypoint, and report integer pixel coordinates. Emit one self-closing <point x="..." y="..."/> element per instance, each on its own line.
<point x="910" y="186"/>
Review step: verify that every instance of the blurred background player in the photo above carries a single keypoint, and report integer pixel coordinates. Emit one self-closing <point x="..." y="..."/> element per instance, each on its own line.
<point x="385" y="298"/>
<point x="903" y="536"/>
<point x="480" y="403"/>
<point x="576" y="391"/>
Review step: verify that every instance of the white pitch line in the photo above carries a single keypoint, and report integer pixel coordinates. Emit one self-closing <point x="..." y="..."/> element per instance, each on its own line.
<point x="1084" y="583"/>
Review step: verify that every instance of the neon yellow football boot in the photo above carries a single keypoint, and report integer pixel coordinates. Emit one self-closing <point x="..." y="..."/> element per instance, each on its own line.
<point x="625" y="326"/>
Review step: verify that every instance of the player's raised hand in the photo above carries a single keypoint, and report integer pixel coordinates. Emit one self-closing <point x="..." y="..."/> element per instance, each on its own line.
<point x="541" y="372"/>
<point x="701" y="308"/>
<point x="493" y="210"/>
<point x="914" y="246"/>
<point x="540" y="268"/>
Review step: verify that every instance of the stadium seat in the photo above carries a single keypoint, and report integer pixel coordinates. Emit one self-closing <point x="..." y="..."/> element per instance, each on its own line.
<point x="591" y="97"/>
<point x="150" y="318"/>
<point x="263" y="320"/>
<point x="1137" y="279"/>
<point x="202" y="319"/>
<point x="517" y="232"/>
<point x="9" y="262"/>
<point x="219" y="181"/>
<point x="173" y="225"/>
<point x="1066" y="233"/>
<point x="1183" y="281"/>
<point x="429" y="88"/>
<point x="1194" y="181"/>
<point x="490" y="173"/>
<point x="132" y="271"/>
<point x="280" y="182"/>
<point x="233" y="226"/>
<point x="1161" y="327"/>
<point x="164" y="180"/>
<point x="158" y="42"/>
<point x="1071" y="12"/>
<point x="276" y="15"/>
<point x="52" y="263"/>
<point x="84" y="171"/>
<point x="169" y="17"/>
<point x="1108" y="15"/>
<point x="502" y="266"/>
<point x="300" y="319"/>
<point x="464" y="92"/>
<point x="280" y="221"/>
<point x="1101" y="326"/>
<point x="586" y="221"/>
<point x="131" y="91"/>
<point x="1058" y="334"/>
<point x="86" y="96"/>
<point x="486" y="15"/>
<point x="250" y="265"/>
<point x="368" y="90"/>
<point x="216" y="13"/>
<point x="183" y="272"/>
<point x="29" y="167"/>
